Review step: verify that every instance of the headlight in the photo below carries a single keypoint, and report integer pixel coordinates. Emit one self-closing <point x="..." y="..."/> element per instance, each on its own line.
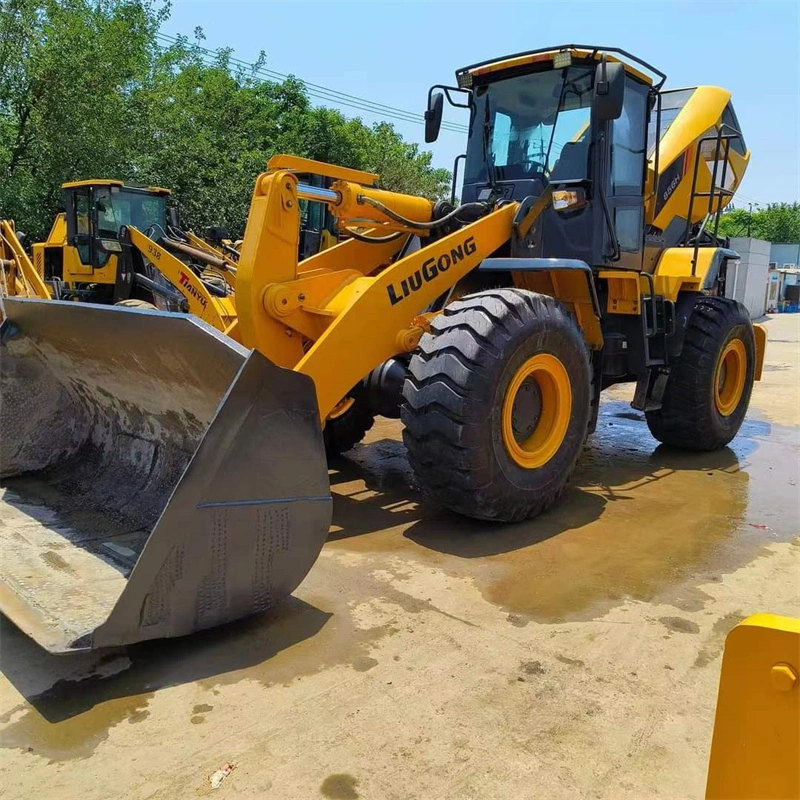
<point x="563" y="58"/>
<point x="464" y="80"/>
<point x="569" y="199"/>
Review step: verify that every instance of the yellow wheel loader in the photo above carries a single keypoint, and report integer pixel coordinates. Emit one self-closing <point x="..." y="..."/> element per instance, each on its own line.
<point x="122" y="245"/>
<point x="117" y="244"/>
<point x="160" y="478"/>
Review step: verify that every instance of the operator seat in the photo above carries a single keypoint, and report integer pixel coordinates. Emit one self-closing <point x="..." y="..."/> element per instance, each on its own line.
<point x="572" y="163"/>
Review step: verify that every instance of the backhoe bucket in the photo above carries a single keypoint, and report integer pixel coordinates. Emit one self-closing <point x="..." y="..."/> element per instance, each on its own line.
<point x="156" y="478"/>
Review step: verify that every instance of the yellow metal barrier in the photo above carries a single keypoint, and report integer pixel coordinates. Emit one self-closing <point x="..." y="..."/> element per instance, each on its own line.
<point x="755" y="751"/>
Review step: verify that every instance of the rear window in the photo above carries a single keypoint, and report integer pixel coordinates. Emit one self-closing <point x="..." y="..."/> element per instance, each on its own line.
<point x="671" y="105"/>
<point x="729" y="119"/>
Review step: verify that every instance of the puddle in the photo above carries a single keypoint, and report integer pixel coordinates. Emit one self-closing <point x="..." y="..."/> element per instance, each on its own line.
<point x="340" y="787"/>
<point x="50" y="729"/>
<point x="298" y="639"/>
<point x="639" y="520"/>
<point x="72" y="717"/>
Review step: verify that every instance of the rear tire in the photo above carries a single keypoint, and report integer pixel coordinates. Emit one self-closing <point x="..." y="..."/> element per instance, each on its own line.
<point x="497" y="404"/>
<point x="132" y="303"/>
<point x="709" y="386"/>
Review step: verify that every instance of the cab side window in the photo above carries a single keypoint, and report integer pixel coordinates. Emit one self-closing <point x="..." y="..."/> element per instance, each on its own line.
<point x="628" y="141"/>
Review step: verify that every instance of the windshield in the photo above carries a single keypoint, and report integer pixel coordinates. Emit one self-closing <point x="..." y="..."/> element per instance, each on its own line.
<point x="533" y="126"/>
<point x="116" y="207"/>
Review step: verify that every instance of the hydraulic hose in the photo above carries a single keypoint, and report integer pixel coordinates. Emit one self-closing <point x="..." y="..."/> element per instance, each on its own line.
<point x="374" y="239"/>
<point x="425" y="226"/>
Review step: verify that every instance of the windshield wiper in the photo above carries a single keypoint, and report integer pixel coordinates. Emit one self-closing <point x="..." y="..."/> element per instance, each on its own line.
<point x="561" y="95"/>
<point x="567" y="87"/>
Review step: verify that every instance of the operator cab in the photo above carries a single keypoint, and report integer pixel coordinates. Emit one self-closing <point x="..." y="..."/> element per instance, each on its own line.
<point x="574" y="121"/>
<point x="594" y="126"/>
<point x="317" y="225"/>
<point x="96" y="210"/>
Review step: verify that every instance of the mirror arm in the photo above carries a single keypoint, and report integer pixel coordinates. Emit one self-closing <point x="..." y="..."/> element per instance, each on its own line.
<point x="447" y="90"/>
<point x="602" y="84"/>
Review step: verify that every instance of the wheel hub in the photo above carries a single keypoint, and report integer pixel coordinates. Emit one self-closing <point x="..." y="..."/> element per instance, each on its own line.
<point x="526" y="410"/>
<point x="730" y="377"/>
<point x="536" y="411"/>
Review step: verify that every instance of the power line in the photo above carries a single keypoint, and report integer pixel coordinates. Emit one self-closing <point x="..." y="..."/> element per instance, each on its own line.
<point x="323" y="93"/>
<point x="746" y="199"/>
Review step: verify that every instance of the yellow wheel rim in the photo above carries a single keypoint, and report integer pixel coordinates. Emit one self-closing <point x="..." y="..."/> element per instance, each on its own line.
<point x="729" y="377"/>
<point x="341" y="408"/>
<point x="536" y="411"/>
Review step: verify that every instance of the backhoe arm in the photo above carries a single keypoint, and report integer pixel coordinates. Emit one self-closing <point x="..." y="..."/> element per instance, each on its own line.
<point x="217" y="312"/>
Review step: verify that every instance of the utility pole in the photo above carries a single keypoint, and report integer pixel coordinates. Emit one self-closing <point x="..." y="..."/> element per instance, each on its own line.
<point x="750" y="216"/>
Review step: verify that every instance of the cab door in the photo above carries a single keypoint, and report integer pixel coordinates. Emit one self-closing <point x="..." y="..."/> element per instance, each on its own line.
<point x="625" y="183"/>
<point x="79" y="253"/>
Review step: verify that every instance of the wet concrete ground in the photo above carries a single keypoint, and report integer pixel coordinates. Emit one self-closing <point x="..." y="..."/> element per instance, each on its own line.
<point x="576" y="655"/>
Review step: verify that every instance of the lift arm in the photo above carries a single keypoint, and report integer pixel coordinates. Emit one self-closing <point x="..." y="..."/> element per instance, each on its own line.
<point x="377" y="318"/>
<point x="18" y="274"/>
<point x="338" y="318"/>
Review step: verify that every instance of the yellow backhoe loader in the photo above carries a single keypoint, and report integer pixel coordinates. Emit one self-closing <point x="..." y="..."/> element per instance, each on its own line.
<point x="180" y="477"/>
<point x="117" y="244"/>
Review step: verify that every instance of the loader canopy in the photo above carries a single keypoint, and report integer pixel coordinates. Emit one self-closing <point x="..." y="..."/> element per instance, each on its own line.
<point x="156" y="478"/>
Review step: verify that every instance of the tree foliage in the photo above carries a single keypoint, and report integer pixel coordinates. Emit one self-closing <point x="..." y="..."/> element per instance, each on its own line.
<point x="778" y="222"/>
<point x="87" y="91"/>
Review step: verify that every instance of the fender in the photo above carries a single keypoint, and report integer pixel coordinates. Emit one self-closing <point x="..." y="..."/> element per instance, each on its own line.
<point x="582" y="297"/>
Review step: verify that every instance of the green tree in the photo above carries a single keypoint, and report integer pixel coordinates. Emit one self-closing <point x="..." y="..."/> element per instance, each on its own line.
<point x="209" y="132"/>
<point x="68" y="70"/>
<point x="87" y="91"/>
<point x="402" y="167"/>
<point x="778" y="222"/>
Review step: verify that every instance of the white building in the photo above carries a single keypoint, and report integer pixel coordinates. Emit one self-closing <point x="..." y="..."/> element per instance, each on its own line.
<point x="749" y="280"/>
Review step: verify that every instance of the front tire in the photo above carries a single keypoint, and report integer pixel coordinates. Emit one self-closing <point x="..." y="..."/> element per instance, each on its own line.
<point x="349" y="423"/>
<point x="709" y="386"/>
<point x="133" y="303"/>
<point x="497" y="404"/>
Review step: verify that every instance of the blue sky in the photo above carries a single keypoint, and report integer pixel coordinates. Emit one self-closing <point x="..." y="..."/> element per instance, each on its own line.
<point x="390" y="53"/>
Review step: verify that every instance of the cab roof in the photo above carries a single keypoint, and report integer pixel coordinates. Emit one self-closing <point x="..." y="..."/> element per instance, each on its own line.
<point x="650" y="76"/>
<point x="119" y="184"/>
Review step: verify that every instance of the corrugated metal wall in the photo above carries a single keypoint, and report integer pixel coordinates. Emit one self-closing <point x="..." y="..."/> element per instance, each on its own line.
<point x="783" y="254"/>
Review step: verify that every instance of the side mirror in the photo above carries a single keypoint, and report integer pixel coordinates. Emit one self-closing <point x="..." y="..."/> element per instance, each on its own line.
<point x="433" y="117"/>
<point x="172" y="216"/>
<point x="609" y="91"/>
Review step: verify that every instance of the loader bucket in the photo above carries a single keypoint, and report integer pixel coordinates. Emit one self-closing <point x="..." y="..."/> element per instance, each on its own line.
<point x="156" y="478"/>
